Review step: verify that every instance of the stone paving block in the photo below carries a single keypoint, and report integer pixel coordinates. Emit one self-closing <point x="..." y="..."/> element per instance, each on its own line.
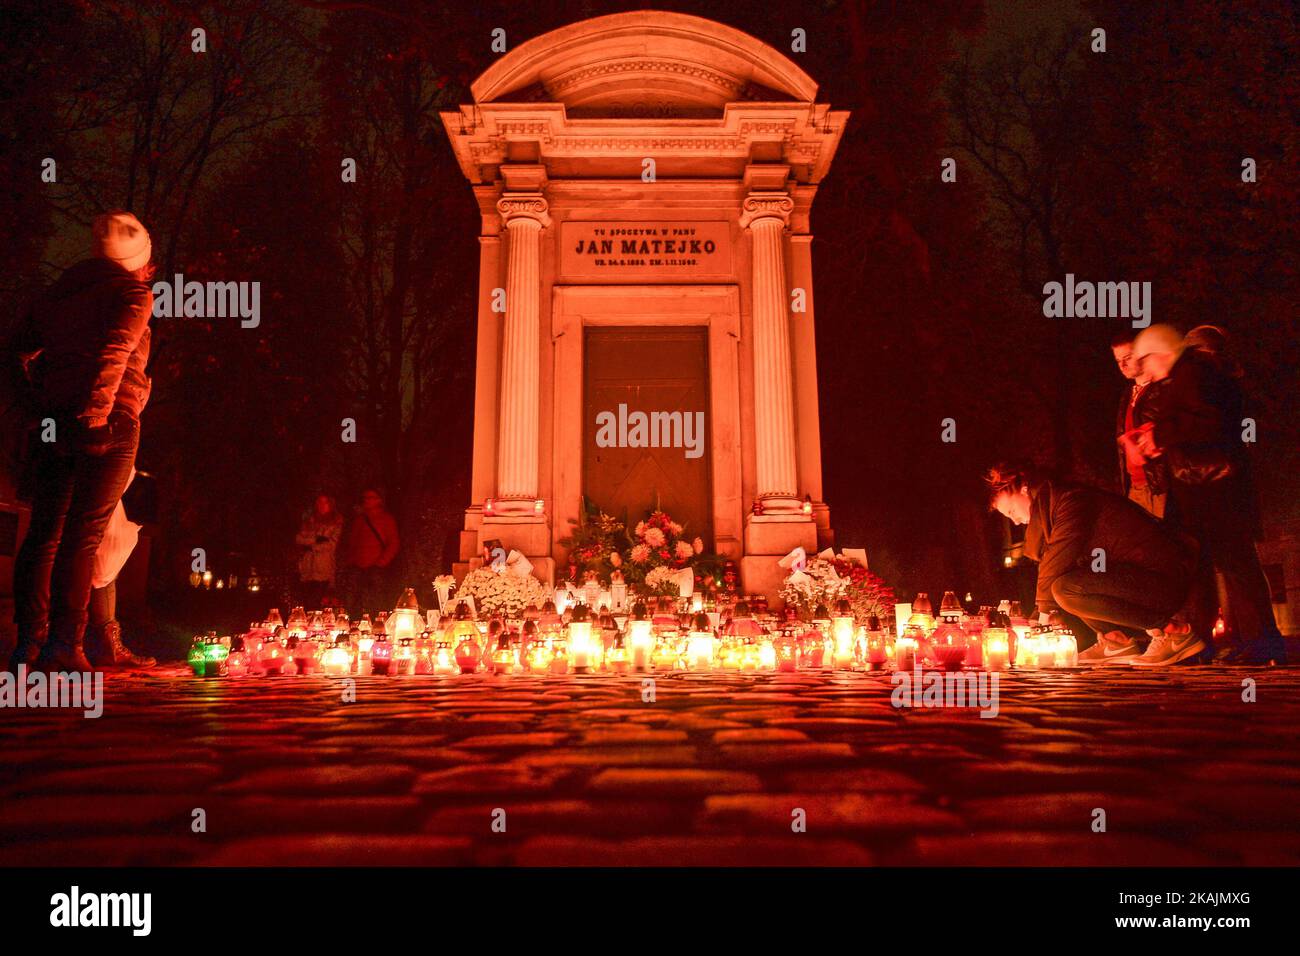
<point x="507" y="741"/>
<point x="384" y="741"/>
<point x="825" y="814"/>
<point x="1074" y="811"/>
<point x="671" y="782"/>
<point x="580" y="818"/>
<point x="1255" y="849"/>
<point x="1041" y="776"/>
<point x="691" y="851"/>
<point x="333" y="849"/>
<point x="510" y="779"/>
<point x="1021" y="848"/>
<point x="792" y="754"/>
<point x="229" y="817"/>
<point x="101" y="851"/>
<point x="332" y="779"/>
<point x="1239" y="772"/>
<point x="759" y="735"/>
<point x="822" y="725"/>
<point x="1241" y="806"/>
<point x="119" y="778"/>
<point x="611" y="756"/>
<point x="852" y="779"/>
<point x="631" y="737"/>
<point x="129" y="815"/>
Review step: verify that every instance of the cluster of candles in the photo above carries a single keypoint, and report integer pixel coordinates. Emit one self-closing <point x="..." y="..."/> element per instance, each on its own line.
<point x="405" y="642"/>
<point x="992" y="639"/>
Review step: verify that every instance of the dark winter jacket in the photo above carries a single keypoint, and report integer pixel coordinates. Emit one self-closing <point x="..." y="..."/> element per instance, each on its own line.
<point x="85" y="344"/>
<point x="1154" y="470"/>
<point x="1068" y="522"/>
<point x="1200" y="406"/>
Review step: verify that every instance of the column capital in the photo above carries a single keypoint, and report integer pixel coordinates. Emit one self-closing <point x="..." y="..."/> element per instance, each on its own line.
<point x="532" y="206"/>
<point x="766" y="205"/>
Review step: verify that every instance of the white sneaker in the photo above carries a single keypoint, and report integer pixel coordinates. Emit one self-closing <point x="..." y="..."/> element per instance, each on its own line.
<point x="1114" y="647"/>
<point x="1170" y="649"/>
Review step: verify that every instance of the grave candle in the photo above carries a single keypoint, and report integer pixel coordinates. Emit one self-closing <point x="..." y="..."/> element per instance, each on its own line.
<point x="843" y="631"/>
<point x="641" y="638"/>
<point x="197" y="656"/>
<point x="905" y="649"/>
<point x="237" y="662"/>
<point x="336" y="661"/>
<point x="215" y="656"/>
<point x="787" y="652"/>
<point x="580" y="649"/>
<point x="381" y="656"/>
<point x="616" y="659"/>
<point x="468" y="654"/>
<point x="699" y="645"/>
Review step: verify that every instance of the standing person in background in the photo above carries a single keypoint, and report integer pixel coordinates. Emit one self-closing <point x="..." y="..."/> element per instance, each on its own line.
<point x="1140" y="479"/>
<point x="372" y="546"/>
<point x="104" y="645"/>
<point x="1196" y="428"/>
<point x="84" y="345"/>
<point x="318" y="539"/>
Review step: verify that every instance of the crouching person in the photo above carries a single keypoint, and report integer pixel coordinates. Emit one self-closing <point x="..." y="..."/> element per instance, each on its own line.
<point x="1105" y="560"/>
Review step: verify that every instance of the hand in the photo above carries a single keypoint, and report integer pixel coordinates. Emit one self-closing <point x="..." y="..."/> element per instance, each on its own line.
<point x="1146" y="441"/>
<point x="90" y="440"/>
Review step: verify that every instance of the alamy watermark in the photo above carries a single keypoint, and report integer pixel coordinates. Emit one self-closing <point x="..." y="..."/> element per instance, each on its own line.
<point x="72" y="690"/>
<point x="919" y="689"/>
<point x="1098" y="300"/>
<point x="208" y="300"/>
<point x="75" y="908"/>
<point x="624" y="429"/>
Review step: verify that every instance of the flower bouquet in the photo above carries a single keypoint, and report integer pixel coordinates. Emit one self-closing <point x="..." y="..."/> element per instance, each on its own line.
<point x="657" y="543"/>
<point x="595" y="544"/>
<point x="827" y="578"/>
<point x="506" y="594"/>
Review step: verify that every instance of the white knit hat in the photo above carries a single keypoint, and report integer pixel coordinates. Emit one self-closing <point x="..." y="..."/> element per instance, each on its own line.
<point x="1156" y="339"/>
<point x="119" y="236"/>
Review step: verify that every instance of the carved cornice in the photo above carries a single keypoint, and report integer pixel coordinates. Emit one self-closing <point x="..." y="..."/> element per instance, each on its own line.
<point x="562" y="84"/>
<point x="484" y="137"/>
<point x="758" y="206"/>
<point x="524" y="207"/>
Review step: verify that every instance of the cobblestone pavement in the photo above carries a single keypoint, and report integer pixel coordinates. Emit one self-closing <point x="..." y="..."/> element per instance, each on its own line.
<point x="711" y="772"/>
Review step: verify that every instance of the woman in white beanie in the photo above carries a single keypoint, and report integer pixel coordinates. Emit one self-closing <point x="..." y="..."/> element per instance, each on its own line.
<point x="84" y="345"/>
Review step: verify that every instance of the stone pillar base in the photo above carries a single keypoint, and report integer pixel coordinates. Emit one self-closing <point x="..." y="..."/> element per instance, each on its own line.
<point x="768" y="539"/>
<point x="759" y="574"/>
<point x="779" y="534"/>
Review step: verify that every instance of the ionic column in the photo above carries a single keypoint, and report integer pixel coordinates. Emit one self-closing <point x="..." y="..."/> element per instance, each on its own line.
<point x="766" y="215"/>
<point x="524" y="216"/>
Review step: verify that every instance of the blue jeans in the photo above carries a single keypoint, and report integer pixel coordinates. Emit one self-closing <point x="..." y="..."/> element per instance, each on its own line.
<point x="75" y="495"/>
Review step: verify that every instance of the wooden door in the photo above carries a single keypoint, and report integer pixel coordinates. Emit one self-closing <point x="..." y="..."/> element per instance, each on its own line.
<point x="661" y="369"/>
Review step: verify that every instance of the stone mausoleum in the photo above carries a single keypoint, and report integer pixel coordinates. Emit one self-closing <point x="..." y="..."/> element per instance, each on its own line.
<point x="645" y="182"/>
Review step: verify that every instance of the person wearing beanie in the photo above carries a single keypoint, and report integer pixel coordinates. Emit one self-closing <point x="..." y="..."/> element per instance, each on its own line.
<point x="83" y="347"/>
<point x="1196" y="417"/>
<point x="120" y="238"/>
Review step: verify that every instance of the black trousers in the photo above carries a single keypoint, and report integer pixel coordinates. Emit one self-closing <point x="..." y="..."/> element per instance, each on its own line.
<point x="75" y="494"/>
<point x="1221" y="516"/>
<point x="1242" y="588"/>
<point x="1124" y="597"/>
